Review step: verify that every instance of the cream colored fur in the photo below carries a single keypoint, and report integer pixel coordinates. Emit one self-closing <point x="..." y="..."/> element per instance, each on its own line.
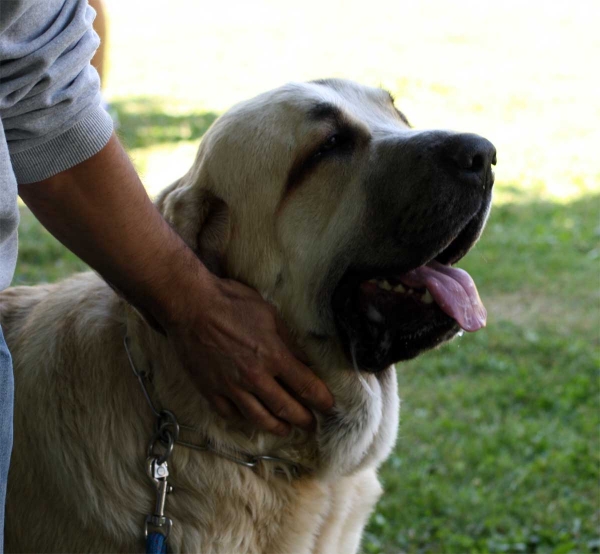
<point x="77" y="480"/>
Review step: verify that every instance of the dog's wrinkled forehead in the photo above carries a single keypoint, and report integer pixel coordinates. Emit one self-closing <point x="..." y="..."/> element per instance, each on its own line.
<point x="344" y="101"/>
<point x="371" y="105"/>
<point x="298" y="105"/>
<point x="288" y="123"/>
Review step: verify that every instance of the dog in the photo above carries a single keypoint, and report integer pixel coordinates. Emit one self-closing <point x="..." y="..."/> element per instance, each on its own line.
<point x="323" y="198"/>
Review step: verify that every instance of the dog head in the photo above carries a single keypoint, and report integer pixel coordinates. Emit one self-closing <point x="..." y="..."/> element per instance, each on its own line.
<point x="323" y="198"/>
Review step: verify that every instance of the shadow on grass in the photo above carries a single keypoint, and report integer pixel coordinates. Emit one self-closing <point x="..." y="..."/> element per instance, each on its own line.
<point x="498" y="448"/>
<point x="146" y="121"/>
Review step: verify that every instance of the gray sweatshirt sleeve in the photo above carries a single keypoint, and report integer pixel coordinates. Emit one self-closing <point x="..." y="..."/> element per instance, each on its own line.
<point x="49" y="93"/>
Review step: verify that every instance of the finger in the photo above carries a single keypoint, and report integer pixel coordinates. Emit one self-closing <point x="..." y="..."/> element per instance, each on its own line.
<point x="254" y="411"/>
<point x="309" y="388"/>
<point x="226" y="408"/>
<point x="289" y="341"/>
<point x="282" y="405"/>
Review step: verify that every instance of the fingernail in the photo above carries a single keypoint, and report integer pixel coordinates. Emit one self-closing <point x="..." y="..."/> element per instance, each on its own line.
<point x="283" y="431"/>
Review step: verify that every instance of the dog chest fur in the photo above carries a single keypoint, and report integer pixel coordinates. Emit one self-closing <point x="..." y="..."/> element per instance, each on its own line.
<point x="79" y="453"/>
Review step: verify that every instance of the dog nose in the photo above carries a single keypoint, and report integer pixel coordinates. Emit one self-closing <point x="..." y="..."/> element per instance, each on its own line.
<point x="473" y="155"/>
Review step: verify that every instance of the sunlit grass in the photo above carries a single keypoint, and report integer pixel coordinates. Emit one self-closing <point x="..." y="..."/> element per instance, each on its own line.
<point x="519" y="73"/>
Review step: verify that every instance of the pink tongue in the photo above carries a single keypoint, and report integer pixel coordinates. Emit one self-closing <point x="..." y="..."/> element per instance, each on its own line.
<point x="453" y="290"/>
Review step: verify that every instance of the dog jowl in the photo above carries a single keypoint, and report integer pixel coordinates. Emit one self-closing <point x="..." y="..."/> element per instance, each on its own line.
<point x="429" y="195"/>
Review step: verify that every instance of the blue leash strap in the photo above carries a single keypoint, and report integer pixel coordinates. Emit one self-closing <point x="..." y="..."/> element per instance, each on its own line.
<point x="158" y="525"/>
<point x="156" y="543"/>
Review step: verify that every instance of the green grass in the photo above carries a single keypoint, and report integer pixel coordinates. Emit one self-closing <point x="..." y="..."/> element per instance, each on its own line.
<point x="500" y="431"/>
<point x="499" y="446"/>
<point x="146" y="122"/>
<point x="42" y="259"/>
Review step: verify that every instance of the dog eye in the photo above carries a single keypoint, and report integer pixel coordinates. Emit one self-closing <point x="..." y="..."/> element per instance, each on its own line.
<point x="330" y="144"/>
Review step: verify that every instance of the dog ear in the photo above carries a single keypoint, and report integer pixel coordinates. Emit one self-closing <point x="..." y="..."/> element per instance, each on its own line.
<point x="201" y="219"/>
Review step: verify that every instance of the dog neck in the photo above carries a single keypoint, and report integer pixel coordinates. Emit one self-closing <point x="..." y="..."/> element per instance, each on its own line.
<point x="358" y="432"/>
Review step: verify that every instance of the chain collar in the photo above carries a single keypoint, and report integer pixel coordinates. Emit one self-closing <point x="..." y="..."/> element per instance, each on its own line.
<point x="167" y="435"/>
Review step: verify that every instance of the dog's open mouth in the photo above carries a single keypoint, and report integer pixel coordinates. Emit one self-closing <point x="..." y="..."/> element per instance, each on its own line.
<point x="430" y="286"/>
<point x="386" y="315"/>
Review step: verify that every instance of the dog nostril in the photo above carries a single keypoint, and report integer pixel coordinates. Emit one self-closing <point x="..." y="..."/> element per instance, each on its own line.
<point x="477" y="163"/>
<point x="471" y="153"/>
<point x="474" y="160"/>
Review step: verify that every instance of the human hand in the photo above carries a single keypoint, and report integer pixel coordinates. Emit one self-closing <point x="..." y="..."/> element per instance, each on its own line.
<point x="228" y="337"/>
<point x="232" y="342"/>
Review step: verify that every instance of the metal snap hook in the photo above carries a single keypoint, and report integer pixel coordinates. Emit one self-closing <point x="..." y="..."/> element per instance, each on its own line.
<point x="165" y="439"/>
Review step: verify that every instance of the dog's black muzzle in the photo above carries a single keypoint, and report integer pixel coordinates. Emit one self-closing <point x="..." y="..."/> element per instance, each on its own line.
<point x="423" y="188"/>
<point x="428" y="197"/>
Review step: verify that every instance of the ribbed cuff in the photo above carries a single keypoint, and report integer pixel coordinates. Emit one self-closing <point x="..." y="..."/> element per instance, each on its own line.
<point x="80" y="142"/>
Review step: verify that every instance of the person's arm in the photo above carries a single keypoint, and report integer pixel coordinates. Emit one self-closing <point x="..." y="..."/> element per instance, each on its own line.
<point x="76" y="178"/>
<point x="100" y="210"/>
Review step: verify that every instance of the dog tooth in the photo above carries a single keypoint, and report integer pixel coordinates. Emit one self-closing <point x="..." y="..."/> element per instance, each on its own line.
<point x="385" y="285"/>
<point x="427" y="298"/>
<point x="399" y="288"/>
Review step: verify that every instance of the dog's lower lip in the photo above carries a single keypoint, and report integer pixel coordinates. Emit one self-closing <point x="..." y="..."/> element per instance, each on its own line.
<point x="450" y="262"/>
